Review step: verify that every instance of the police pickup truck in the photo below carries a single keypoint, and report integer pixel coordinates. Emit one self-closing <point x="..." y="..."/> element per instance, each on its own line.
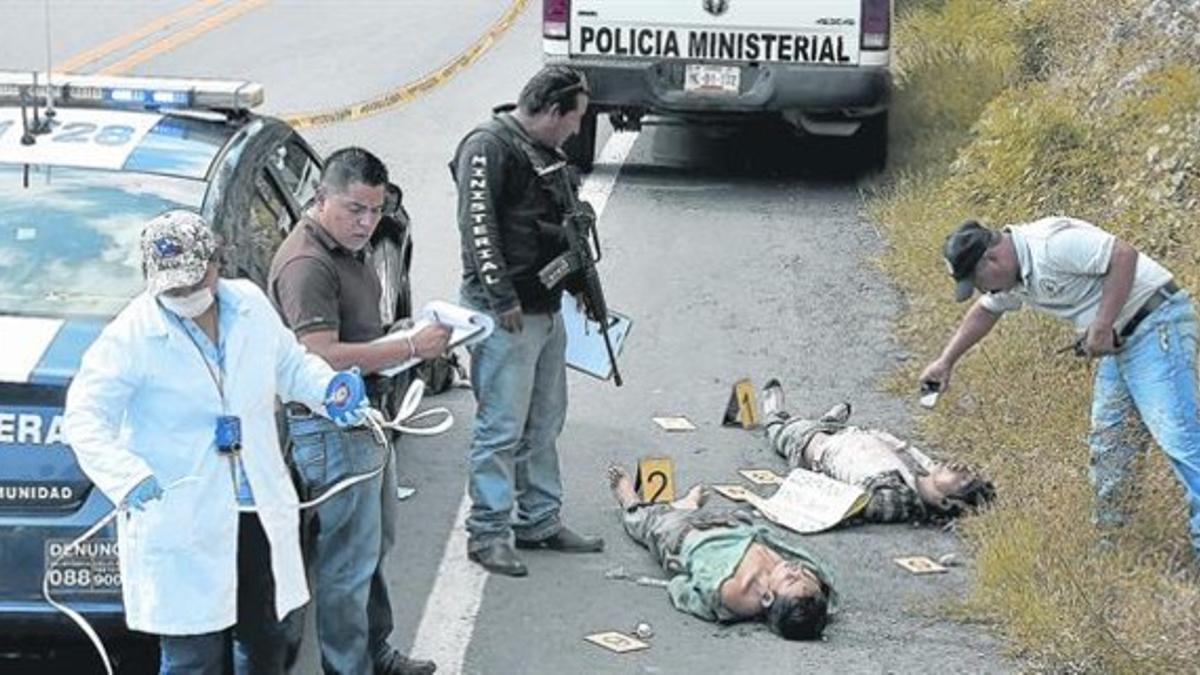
<point x="84" y="163"/>
<point x="820" y="65"/>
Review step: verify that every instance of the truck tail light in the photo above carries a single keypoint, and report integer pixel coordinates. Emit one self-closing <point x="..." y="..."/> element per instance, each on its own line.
<point x="876" y="24"/>
<point x="555" y="17"/>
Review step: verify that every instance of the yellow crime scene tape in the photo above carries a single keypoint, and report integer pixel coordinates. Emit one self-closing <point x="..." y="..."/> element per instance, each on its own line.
<point x="412" y="90"/>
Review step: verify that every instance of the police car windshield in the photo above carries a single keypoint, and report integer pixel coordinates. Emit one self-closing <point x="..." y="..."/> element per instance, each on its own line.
<point x="69" y="241"/>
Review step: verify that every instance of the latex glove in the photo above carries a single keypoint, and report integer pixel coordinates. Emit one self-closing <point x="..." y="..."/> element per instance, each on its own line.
<point x="143" y="492"/>
<point x="346" y="398"/>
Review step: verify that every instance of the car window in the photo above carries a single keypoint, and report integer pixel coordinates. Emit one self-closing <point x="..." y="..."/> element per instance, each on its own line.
<point x="298" y="170"/>
<point x="270" y="222"/>
<point x="69" y="236"/>
<point x="179" y="146"/>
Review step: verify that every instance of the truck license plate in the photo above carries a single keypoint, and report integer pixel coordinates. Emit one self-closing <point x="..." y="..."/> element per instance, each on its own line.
<point x="92" y="568"/>
<point x="713" y="79"/>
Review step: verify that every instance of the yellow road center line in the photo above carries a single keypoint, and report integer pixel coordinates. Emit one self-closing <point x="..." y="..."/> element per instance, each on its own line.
<point x="77" y="61"/>
<point x="412" y="90"/>
<point x="184" y="36"/>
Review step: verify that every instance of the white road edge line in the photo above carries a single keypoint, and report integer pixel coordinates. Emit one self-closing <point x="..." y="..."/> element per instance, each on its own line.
<point x="448" y="619"/>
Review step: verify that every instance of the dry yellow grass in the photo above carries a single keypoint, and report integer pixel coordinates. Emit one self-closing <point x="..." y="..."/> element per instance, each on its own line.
<point x="1009" y="110"/>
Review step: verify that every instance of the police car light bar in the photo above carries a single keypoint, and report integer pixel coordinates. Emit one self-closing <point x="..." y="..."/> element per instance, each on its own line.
<point x="131" y="92"/>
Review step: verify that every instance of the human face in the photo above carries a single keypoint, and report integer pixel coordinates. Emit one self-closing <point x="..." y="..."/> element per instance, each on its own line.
<point x="791" y="579"/>
<point x="568" y="125"/>
<point x="997" y="269"/>
<point x="944" y="485"/>
<point x="350" y="217"/>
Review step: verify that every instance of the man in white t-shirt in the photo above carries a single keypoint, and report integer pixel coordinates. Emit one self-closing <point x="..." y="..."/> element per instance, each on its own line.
<point x="1127" y="311"/>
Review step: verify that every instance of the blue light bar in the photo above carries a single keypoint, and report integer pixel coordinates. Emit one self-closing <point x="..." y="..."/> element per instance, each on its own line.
<point x="131" y="92"/>
<point x="148" y="97"/>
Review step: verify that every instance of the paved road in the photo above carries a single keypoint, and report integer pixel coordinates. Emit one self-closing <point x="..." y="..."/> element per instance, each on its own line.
<point x="742" y="255"/>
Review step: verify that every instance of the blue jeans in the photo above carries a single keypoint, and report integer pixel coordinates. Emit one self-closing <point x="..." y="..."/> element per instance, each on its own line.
<point x="257" y="644"/>
<point x="1153" y="375"/>
<point x="520" y="383"/>
<point x="347" y="542"/>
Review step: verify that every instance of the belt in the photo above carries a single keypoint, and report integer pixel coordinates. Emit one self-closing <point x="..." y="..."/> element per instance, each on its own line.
<point x="376" y="388"/>
<point x="1160" y="296"/>
<point x="298" y="410"/>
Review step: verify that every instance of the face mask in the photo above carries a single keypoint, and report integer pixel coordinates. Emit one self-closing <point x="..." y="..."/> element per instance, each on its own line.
<point x="189" y="306"/>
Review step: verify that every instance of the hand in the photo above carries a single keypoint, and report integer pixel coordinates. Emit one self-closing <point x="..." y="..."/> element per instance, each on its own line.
<point x="1100" y="340"/>
<point x="346" y="398"/>
<point x="431" y="341"/>
<point x="937" y="372"/>
<point x="511" y="320"/>
<point x="143" y="492"/>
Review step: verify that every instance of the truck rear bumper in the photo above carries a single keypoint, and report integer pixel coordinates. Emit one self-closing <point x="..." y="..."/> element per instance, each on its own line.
<point x="657" y="87"/>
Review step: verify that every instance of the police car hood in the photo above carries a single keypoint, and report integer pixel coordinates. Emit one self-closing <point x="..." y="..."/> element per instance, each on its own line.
<point x="39" y="357"/>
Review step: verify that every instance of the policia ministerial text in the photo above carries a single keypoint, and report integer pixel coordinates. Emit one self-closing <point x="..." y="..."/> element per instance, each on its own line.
<point x="714" y="45"/>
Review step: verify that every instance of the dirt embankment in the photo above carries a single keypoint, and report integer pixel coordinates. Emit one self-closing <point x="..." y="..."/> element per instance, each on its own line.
<point x="1008" y="111"/>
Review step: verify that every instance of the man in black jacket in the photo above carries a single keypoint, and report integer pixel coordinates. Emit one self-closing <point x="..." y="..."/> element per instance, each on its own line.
<point x="510" y="211"/>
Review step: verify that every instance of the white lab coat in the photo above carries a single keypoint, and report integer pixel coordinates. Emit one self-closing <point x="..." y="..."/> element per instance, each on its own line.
<point x="143" y="403"/>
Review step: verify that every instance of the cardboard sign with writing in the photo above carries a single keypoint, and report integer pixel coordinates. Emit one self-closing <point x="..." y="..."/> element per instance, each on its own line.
<point x="920" y="565"/>
<point x="655" y="480"/>
<point x="617" y="642"/>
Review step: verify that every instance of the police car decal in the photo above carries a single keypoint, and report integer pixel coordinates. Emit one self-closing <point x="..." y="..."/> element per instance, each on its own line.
<point x="44" y="351"/>
<point x="98" y="139"/>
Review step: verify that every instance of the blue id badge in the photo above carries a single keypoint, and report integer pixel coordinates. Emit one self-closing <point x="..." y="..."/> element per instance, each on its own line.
<point x="229" y="434"/>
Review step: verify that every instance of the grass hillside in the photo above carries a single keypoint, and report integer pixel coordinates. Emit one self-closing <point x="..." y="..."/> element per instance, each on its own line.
<point x="1007" y="111"/>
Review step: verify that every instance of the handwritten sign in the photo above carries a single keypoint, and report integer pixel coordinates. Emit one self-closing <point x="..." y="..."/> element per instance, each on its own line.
<point x="810" y="502"/>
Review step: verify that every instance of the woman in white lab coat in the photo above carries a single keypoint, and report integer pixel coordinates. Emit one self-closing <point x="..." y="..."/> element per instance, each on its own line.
<point x="191" y="354"/>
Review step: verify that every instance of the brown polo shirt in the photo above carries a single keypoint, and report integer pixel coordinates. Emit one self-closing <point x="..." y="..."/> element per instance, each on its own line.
<point x="318" y="285"/>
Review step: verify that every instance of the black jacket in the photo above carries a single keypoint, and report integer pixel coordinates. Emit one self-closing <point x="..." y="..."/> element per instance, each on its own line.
<point x="509" y="219"/>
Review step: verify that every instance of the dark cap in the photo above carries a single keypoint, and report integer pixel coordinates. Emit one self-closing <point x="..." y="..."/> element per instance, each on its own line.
<point x="963" y="250"/>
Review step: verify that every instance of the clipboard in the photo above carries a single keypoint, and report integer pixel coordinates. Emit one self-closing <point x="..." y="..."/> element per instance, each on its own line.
<point x="468" y="327"/>
<point x="585" y="344"/>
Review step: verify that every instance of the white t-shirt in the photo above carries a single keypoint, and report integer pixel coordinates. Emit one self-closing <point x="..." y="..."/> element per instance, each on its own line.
<point x="856" y="455"/>
<point x="1063" y="263"/>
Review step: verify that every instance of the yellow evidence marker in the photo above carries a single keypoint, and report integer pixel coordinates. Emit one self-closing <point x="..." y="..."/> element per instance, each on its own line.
<point x="742" y="407"/>
<point x="655" y="481"/>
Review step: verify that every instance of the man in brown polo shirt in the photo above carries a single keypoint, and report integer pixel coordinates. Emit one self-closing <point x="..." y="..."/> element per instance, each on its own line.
<point x="329" y="295"/>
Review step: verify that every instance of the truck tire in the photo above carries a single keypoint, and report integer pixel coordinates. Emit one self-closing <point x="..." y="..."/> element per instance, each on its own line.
<point x="581" y="148"/>
<point x="873" y="142"/>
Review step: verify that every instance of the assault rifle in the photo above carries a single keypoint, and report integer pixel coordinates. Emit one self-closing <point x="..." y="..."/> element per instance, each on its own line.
<point x="583" y="252"/>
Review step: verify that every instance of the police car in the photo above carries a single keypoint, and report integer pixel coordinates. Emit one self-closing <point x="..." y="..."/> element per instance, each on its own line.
<point x="84" y="163"/>
<point x="821" y="66"/>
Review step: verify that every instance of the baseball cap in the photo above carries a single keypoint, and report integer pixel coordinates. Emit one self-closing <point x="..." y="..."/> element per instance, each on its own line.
<point x="963" y="250"/>
<point x="176" y="248"/>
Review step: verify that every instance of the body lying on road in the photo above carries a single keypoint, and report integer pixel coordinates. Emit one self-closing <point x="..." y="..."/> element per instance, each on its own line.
<point x="727" y="567"/>
<point x="902" y="483"/>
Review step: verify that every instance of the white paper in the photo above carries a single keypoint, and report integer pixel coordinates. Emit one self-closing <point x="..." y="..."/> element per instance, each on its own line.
<point x="468" y="326"/>
<point x="809" y="502"/>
